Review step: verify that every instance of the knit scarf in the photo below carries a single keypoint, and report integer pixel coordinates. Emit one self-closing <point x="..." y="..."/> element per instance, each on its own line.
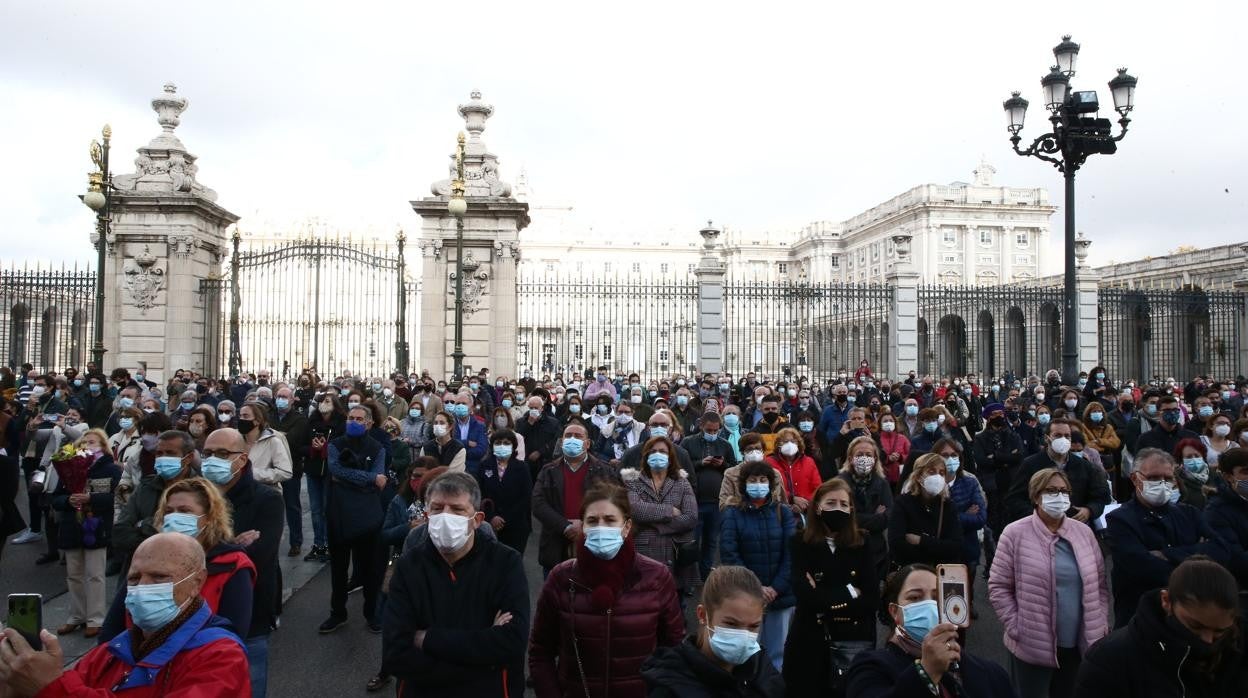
<point x="144" y="644"/>
<point x="605" y="577"/>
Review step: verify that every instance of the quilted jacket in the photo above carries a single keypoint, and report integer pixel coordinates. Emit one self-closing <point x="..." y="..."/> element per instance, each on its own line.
<point x="1023" y="588"/>
<point x="758" y="538"/>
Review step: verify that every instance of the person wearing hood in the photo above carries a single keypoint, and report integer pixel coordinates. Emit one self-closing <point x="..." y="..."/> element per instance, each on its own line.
<point x="723" y="659"/>
<point x="1153" y="534"/>
<point x="603" y="613"/>
<point x="1184" y="640"/>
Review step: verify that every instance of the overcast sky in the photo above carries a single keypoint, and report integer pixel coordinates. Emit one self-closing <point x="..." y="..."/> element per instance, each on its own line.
<point x="646" y="118"/>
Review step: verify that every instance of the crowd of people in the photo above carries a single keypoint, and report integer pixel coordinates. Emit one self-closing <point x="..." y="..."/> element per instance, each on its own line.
<point x="802" y="522"/>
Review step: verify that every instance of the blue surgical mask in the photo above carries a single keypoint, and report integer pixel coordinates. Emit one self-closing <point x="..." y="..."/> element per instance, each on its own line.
<point x="732" y="421"/>
<point x="1151" y="409"/>
<point x="657" y="461"/>
<point x="217" y="470"/>
<point x="126" y="403"/>
<point x="930" y="427"/>
<point x="507" y="402"/>
<point x="125" y="422"/>
<point x="918" y="618"/>
<point x="734" y="645"/>
<point x="1195" y="464"/>
<point x="94" y="388"/>
<point x="912" y="410"/>
<point x="682" y="400"/>
<point x="658" y="431"/>
<point x="1100" y="376"/>
<point x="572" y="448"/>
<point x="460" y="411"/>
<point x="604" y="541"/>
<point x="178" y="522"/>
<point x="1205" y="411"/>
<point x="806" y="426"/>
<point x="356" y="429"/>
<point x="502" y="451"/>
<point x="710" y="438"/>
<point x="282" y="403"/>
<point x="1096" y="417"/>
<point x="952" y="463"/>
<point x="414" y="413"/>
<point x="1044" y="418"/>
<point x="168" y="467"/>
<point x="1171" y="417"/>
<point x="77" y="382"/>
<point x="151" y="606"/>
<point x="188" y="406"/>
<point x="757" y="490"/>
<point x="574" y="409"/>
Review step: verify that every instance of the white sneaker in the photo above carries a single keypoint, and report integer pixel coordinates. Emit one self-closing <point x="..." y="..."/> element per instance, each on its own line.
<point x="27" y="536"/>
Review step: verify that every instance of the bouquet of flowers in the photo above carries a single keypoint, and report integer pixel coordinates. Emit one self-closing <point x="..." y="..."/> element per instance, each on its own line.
<point x="72" y="466"/>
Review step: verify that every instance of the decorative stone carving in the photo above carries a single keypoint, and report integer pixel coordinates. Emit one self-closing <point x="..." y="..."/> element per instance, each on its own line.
<point x="181" y="245"/>
<point x="480" y="166"/>
<point x="164" y="165"/>
<point x="505" y="250"/>
<point x="901" y="243"/>
<point x="1082" y="243"/>
<point x="144" y="280"/>
<point x="984" y="173"/>
<point x="475" y="280"/>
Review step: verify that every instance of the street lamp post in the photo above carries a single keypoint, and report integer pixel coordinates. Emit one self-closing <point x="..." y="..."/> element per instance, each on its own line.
<point x="457" y="207"/>
<point x="99" y="199"/>
<point x="1076" y="134"/>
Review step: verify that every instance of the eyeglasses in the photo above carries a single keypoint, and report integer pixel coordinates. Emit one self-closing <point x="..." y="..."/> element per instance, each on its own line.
<point x="1055" y="490"/>
<point x="221" y="453"/>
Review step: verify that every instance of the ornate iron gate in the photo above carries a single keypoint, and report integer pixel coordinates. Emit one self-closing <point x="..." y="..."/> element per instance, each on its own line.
<point x="989" y="330"/>
<point x="1148" y="334"/>
<point x="46" y="317"/>
<point x="319" y="304"/>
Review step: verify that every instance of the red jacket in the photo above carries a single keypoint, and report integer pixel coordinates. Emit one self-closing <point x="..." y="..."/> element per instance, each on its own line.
<point x="800" y="479"/>
<point x="208" y="662"/>
<point x="612" y="644"/>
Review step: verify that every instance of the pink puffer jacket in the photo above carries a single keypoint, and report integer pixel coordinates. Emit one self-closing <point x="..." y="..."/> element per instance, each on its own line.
<point x="1023" y="587"/>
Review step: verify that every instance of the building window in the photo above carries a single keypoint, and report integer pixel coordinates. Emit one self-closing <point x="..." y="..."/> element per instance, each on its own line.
<point x="663" y="268"/>
<point x="783" y="268"/>
<point x="985" y="236"/>
<point x="1022" y="239"/>
<point x="836" y="262"/>
<point x="606" y="352"/>
<point x="578" y="352"/>
<point x="949" y="258"/>
<point x="875" y="253"/>
<point x="636" y="267"/>
<point x="949" y="236"/>
<point x="663" y="355"/>
<point x="606" y="266"/>
<point x="690" y="268"/>
<point x="550" y="266"/>
<point x="1022" y="259"/>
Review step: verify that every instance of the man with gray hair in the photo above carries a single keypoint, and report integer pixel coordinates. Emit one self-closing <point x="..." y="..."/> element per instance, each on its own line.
<point x="1154" y="533"/>
<point x="457" y="614"/>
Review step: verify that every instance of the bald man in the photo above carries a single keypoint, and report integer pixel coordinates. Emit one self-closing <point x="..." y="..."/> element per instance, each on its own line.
<point x="192" y="652"/>
<point x="258" y="513"/>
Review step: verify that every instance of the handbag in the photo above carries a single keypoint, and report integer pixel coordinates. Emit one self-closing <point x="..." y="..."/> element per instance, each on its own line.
<point x="687" y="553"/>
<point x="838" y="664"/>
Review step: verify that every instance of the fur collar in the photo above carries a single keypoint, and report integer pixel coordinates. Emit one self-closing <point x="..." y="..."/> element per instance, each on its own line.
<point x="631" y="474"/>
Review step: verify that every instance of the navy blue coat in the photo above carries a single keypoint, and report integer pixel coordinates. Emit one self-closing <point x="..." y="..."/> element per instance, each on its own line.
<point x="511" y="497"/>
<point x="476" y="434"/>
<point x="889" y="672"/>
<point x="1178" y="531"/>
<point x="1227" y="514"/>
<point x="758" y="538"/>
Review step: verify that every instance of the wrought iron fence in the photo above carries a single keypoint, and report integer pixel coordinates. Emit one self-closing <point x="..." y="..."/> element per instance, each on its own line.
<point x="1148" y="334"/>
<point x="567" y="324"/>
<point x="816" y="330"/>
<point x="989" y="330"/>
<point x="47" y="317"/>
<point x="329" y="305"/>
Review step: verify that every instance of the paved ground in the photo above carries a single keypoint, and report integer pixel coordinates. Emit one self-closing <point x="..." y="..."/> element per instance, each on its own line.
<point x="302" y="662"/>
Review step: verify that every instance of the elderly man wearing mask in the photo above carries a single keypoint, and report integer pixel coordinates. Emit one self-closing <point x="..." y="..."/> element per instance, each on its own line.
<point x="177" y="647"/>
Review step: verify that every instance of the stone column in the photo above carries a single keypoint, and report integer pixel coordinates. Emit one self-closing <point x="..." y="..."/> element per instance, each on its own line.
<point x="492" y="227"/>
<point x="903" y="311"/>
<point x="1241" y="285"/>
<point x="167" y="234"/>
<point x="1086" y="300"/>
<point x="710" y="272"/>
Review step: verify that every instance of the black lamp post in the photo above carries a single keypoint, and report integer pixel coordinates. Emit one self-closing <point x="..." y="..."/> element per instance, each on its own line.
<point x="1076" y="133"/>
<point x="99" y="198"/>
<point x="457" y="207"/>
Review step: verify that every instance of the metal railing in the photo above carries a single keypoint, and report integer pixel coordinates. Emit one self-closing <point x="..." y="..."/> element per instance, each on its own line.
<point x="804" y="329"/>
<point x="46" y="317"/>
<point x="1148" y="334"/>
<point x="989" y="330"/>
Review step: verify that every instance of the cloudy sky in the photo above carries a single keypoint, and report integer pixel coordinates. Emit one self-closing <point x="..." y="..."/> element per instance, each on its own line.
<point x="647" y="118"/>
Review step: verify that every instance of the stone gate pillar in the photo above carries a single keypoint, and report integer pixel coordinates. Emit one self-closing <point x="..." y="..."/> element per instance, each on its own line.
<point x="710" y="272"/>
<point x="167" y="234"/>
<point x="903" y="311"/>
<point x="1240" y="284"/>
<point x="1088" y="303"/>
<point x="491" y="252"/>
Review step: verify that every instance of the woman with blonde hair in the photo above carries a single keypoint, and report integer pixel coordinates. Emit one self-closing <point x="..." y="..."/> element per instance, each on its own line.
<point x="85" y="528"/>
<point x="863" y="471"/>
<point x="923" y="526"/>
<point x="196" y="507"/>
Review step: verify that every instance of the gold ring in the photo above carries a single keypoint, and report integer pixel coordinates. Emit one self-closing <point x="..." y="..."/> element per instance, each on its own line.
<point x="948" y="644"/>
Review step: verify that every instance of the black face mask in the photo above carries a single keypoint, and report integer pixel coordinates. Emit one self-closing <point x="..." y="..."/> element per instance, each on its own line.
<point x="770" y="418"/>
<point x="245" y="426"/>
<point x="834" y="519"/>
<point x="997" y="422"/>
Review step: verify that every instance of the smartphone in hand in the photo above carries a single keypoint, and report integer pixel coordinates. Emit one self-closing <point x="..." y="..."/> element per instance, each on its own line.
<point x="953" y="588"/>
<point x="26" y="617"/>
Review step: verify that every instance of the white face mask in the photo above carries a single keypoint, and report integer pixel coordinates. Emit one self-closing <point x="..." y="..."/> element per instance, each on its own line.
<point x="1070" y="404"/>
<point x="1156" y="493"/>
<point x="788" y="448"/>
<point x="888" y="426"/>
<point x="449" y="532"/>
<point x="934" y="484"/>
<point x="1060" y="445"/>
<point x="753" y="456"/>
<point x="1222" y="429"/>
<point x="1055" y="505"/>
<point x="439" y="430"/>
